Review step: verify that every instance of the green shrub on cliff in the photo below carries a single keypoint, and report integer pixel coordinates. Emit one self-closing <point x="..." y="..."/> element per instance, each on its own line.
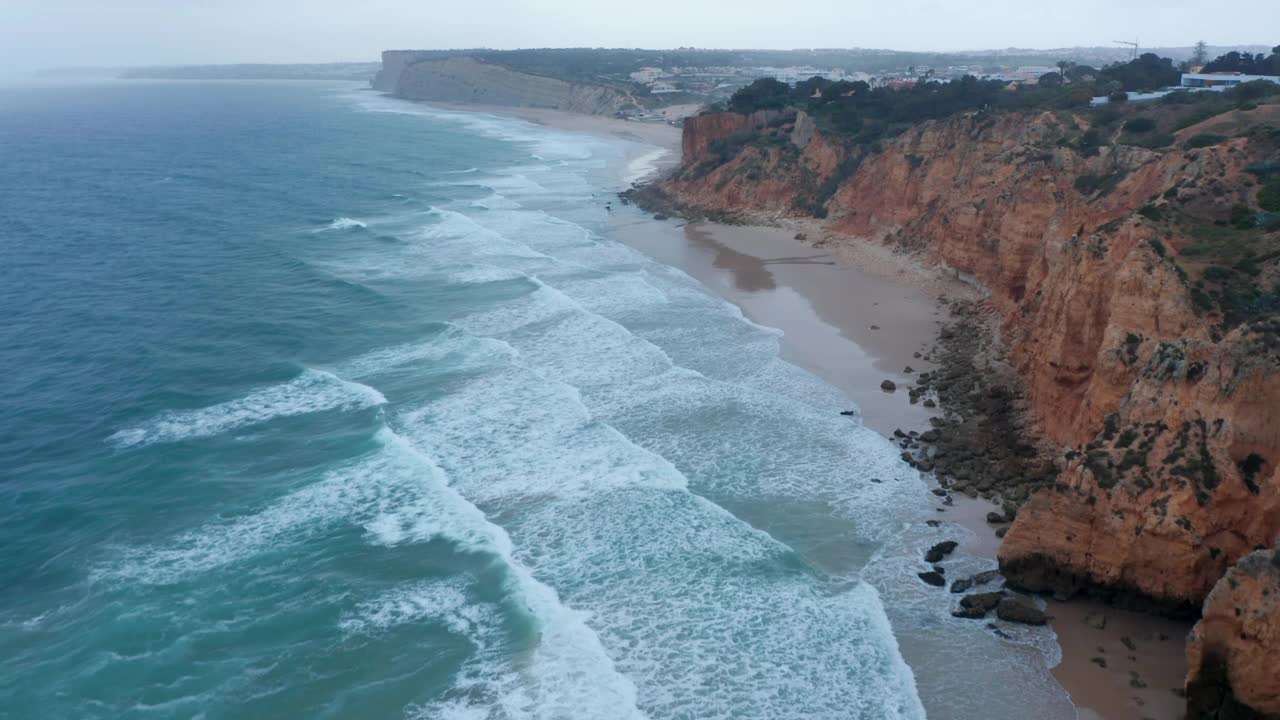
<point x="1269" y="195"/>
<point x="1203" y="140"/>
<point x="1140" y="125"/>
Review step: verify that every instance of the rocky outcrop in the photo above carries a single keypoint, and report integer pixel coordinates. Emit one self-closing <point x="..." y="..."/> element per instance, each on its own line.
<point x="1233" y="649"/>
<point x="1169" y="420"/>
<point x="704" y="131"/>
<point x="461" y="79"/>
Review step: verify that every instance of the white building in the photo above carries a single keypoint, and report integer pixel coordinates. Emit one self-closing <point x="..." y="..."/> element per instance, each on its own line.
<point x="1210" y="80"/>
<point x="646" y="75"/>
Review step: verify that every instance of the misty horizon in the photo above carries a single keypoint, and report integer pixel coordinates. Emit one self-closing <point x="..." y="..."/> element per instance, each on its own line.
<point x="78" y="33"/>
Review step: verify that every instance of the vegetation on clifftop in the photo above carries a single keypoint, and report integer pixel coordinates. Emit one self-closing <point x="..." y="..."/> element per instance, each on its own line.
<point x="863" y="113"/>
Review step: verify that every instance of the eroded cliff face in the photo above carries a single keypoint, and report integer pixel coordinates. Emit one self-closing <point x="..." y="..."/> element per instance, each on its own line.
<point x="1171" y="426"/>
<point x="466" y="80"/>
<point x="1232" y="651"/>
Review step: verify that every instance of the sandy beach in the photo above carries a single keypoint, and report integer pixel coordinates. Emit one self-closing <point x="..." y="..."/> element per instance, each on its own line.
<point x="856" y="314"/>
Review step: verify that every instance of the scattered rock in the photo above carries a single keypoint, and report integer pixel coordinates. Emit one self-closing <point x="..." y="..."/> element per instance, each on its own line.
<point x="987" y="601"/>
<point x="1128" y="642"/>
<point x="1001" y="532"/>
<point x="1096" y="620"/>
<point x="908" y="370"/>
<point x="940" y="492"/>
<point x="933" y="523"/>
<point x="977" y="605"/>
<point x="1018" y="610"/>
<point x="995" y="518"/>
<point x="933" y="578"/>
<point x="875" y="327"/>
<point x="930" y="404"/>
<point x="1099" y="661"/>
<point x="848" y="413"/>
<point x="973" y="581"/>
<point x="939" y="551"/>
<point x="888" y="386"/>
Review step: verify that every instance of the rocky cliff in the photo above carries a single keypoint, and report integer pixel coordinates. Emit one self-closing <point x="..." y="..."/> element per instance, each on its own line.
<point x="393" y="64"/>
<point x="461" y="79"/>
<point x="1120" y="290"/>
<point x="1231" y="652"/>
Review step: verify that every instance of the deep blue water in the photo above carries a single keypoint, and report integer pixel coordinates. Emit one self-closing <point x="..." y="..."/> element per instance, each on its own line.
<point x="315" y="404"/>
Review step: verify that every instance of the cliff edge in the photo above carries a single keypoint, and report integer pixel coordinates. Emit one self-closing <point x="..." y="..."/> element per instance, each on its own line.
<point x="461" y="79"/>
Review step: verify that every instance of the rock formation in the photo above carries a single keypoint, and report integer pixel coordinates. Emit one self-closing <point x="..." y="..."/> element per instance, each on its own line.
<point x="460" y="79"/>
<point x="1232" y="651"/>
<point x="1163" y="407"/>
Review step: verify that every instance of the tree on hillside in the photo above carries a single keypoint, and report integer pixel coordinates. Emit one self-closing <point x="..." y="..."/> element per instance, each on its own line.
<point x="1201" y="54"/>
<point x="1247" y="63"/>
<point x="1148" y="72"/>
<point x="763" y="94"/>
<point x="1081" y="73"/>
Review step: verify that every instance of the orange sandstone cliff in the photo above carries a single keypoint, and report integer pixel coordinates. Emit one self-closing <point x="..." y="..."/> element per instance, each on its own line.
<point x="1142" y="359"/>
<point x="1231" y="652"/>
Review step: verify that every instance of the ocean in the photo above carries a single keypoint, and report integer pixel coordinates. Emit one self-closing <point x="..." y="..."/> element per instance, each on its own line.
<point x="319" y="404"/>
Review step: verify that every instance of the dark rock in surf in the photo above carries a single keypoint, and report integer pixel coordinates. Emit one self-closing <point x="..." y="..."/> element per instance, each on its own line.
<point x="933" y="578"/>
<point x="939" y="551"/>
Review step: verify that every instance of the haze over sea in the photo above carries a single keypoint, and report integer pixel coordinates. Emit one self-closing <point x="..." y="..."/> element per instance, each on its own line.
<point x="317" y="404"/>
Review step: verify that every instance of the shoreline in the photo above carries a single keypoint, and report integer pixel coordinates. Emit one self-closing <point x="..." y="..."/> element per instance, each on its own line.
<point x="906" y="304"/>
<point x="856" y="334"/>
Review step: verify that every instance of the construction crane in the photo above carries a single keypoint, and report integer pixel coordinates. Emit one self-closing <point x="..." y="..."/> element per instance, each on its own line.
<point x="1131" y="43"/>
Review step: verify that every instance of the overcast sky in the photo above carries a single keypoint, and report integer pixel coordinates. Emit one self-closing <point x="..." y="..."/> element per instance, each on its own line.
<point x="50" y="33"/>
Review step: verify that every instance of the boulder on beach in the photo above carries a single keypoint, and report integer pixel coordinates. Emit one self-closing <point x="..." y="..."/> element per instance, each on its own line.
<point x="888" y="386"/>
<point x="1020" y="610"/>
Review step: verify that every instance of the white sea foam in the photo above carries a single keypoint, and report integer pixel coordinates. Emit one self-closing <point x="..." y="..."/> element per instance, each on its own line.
<point x="442" y="600"/>
<point x="568" y="672"/>
<point x="479" y="274"/>
<point x="643" y="166"/>
<point x="312" y="391"/>
<point x="400" y="496"/>
<point x="543" y="143"/>
<point x="460" y="350"/>
<point x="343" y="223"/>
<point x="666" y="576"/>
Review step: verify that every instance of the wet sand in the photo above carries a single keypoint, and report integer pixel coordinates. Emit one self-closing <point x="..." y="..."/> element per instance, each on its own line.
<point x="856" y="316"/>
<point x="814" y="299"/>
<point x="1157" y="656"/>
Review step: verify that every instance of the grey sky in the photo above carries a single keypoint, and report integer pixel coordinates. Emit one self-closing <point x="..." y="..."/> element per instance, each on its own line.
<point x="44" y="33"/>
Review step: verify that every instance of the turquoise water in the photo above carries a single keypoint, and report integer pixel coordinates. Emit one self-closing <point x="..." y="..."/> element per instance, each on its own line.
<point x="320" y="405"/>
